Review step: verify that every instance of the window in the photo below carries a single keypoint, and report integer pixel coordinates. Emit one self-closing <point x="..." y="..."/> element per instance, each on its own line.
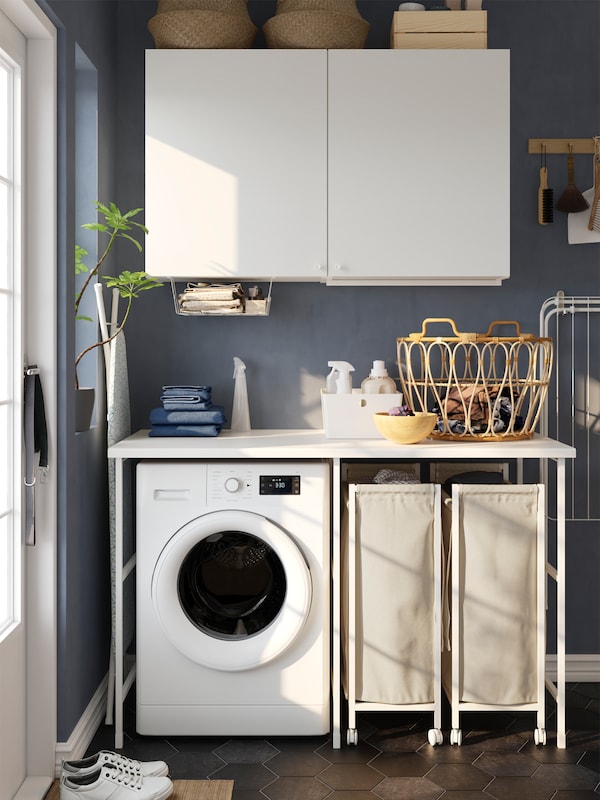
<point x="86" y="194"/>
<point x="10" y="335"/>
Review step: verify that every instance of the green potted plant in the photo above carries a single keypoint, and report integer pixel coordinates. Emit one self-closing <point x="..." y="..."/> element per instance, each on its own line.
<point x="115" y="225"/>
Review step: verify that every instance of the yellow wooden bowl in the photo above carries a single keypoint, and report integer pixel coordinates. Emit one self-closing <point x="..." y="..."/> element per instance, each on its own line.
<point x="405" y="430"/>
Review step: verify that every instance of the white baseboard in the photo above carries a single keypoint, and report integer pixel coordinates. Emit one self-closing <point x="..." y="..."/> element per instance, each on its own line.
<point x="579" y="668"/>
<point x="34" y="788"/>
<point x="85" y="730"/>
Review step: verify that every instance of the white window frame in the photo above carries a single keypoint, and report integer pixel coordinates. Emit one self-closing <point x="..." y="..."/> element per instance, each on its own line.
<point x="11" y="398"/>
<point x="40" y="329"/>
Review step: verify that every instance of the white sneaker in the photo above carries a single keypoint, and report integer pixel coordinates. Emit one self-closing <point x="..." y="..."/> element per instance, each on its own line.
<point x="108" y="783"/>
<point x="85" y="766"/>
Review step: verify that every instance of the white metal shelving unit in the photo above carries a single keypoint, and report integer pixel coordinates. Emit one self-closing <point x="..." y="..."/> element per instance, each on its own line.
<point x="571" y="412"/>
<point x="312" y="444"/>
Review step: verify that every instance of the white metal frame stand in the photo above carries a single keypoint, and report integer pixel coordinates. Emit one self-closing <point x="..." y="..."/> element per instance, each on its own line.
<point x="434" y="735"/>
<point x="312" y="444"/>
<point x="457" y="705"/>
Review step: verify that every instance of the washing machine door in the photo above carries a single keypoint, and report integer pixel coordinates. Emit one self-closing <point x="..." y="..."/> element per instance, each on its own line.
<point x="232" y="590"/>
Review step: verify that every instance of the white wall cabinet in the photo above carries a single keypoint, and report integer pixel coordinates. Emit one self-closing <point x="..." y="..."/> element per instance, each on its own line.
<point x="236" y="164"/>
<point x="419" y="166"/>
<point x="344" y="166"/>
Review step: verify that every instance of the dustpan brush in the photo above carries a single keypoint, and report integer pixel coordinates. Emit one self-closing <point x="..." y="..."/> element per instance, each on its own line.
<point x="545" y="199"/>
<point x="571" y="200"/>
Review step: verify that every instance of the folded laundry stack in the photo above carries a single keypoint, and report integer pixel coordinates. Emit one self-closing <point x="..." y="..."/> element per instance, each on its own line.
<point x="186" y="411"/>
<point x="202" y="298"/>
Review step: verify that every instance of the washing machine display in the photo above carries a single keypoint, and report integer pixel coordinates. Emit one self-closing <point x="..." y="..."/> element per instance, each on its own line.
<point x="233" y="598"/>
<point x="280" y="484"/>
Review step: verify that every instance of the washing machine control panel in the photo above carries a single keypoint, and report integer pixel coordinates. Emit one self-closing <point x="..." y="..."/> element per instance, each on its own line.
<point x="235" y="484"/>
<point x="231" y="484"/>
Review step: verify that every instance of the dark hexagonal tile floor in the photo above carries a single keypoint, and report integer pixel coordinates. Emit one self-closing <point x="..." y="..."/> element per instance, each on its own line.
<point x="393" y="760"/>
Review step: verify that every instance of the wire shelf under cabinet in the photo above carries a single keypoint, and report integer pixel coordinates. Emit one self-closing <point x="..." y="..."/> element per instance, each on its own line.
<point x="248" y="307"/>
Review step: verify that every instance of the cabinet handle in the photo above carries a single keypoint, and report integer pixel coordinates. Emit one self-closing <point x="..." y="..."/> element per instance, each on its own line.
<point x="318" y="267"/>
<point x="338" y="268"/>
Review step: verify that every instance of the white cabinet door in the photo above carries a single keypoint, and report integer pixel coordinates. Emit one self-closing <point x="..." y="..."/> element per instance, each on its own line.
<point x="236" y="164"/>
<point x="418" y="166"/>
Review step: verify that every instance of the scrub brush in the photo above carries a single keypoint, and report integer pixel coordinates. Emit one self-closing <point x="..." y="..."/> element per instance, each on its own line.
<point x="594" y="223"/>
<point x="571" y="200"/>
<point x="545" y="199"/>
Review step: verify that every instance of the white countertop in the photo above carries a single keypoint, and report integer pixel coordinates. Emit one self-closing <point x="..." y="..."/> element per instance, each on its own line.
<point x="311" y="443"/>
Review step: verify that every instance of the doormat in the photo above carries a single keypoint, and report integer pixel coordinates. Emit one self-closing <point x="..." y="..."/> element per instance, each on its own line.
<point x="182" y="790"/>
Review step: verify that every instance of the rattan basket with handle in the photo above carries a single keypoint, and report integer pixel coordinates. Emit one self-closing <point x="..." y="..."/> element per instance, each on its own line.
<point x="484" y="387"/>
<point x="201" y="29"/>
<point x="316" y="29"/>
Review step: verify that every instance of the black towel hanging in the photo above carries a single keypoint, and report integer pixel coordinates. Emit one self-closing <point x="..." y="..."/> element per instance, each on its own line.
<point x="36" y="441"/>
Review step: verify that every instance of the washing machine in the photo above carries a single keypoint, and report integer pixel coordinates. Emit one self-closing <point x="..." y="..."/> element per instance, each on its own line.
<point x="233" y="598"/>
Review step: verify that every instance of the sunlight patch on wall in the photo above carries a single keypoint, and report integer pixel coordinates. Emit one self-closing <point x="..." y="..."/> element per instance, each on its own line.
<point x="206" y="203"/>
<point x="587" y="396"/>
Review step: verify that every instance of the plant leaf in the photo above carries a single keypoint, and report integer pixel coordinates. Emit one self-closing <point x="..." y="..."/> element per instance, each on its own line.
<point x="132" y="213"/>
<point x="80" y="266"/>
<point x="95" y="226"/>
<point x="131" y="239"/>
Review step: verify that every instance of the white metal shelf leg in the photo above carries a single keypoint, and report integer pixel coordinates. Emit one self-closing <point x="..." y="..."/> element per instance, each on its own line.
<point x="118" y="633"/>
<point x="540" y="732"/>
<point x="561" y="735"/>
<point x="437" y="613"/>
<point x="336" y="608"/>
<point x="110" y="695"/>
<point x="352" y="736"/>
<point x="455" y="556"/>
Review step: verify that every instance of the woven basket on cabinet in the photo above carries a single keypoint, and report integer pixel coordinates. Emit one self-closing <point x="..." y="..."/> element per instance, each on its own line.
<point x="237" y="7"/>
<point x="338" y="6"/>
<point x="196" y="28"/>
<point x="316" y="29"/>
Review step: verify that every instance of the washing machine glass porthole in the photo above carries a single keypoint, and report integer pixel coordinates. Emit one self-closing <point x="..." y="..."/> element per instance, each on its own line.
<point x="231" y="585"/>
<point x="232" y="590"/>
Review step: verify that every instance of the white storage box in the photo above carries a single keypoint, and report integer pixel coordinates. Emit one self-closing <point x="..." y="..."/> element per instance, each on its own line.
<point x="350" y="416"/>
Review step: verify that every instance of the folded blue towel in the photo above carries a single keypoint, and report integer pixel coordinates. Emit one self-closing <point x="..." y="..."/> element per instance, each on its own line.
<point x="161" y="416"/>
<point x="185" y="404"/>
<point x="185" y="430"/>
<point x="194" y="392"/>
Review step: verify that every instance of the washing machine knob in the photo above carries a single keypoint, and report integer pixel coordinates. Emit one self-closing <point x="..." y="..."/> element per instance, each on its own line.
<point x="232" y="485"/>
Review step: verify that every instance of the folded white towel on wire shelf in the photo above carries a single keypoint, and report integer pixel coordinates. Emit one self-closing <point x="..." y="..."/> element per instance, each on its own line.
<point x="213" y="307"/>
<point x="202" y="291"/>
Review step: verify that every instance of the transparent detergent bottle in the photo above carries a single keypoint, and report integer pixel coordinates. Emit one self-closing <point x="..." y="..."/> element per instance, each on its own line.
<point x="378" y="382"/>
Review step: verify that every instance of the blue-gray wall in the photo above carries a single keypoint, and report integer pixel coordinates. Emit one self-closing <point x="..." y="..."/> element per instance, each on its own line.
<point x="83" y="545"/>
<point x="555" y="92"/>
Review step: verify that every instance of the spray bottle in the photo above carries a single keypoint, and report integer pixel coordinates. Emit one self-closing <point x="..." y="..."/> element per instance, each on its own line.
<point x="339" y="380"/>
<point x="240" y="415"/>
<point x="378" y="381"/>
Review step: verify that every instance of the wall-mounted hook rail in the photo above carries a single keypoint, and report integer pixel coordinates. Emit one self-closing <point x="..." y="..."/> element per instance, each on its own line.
<point x="553" y="146"/>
